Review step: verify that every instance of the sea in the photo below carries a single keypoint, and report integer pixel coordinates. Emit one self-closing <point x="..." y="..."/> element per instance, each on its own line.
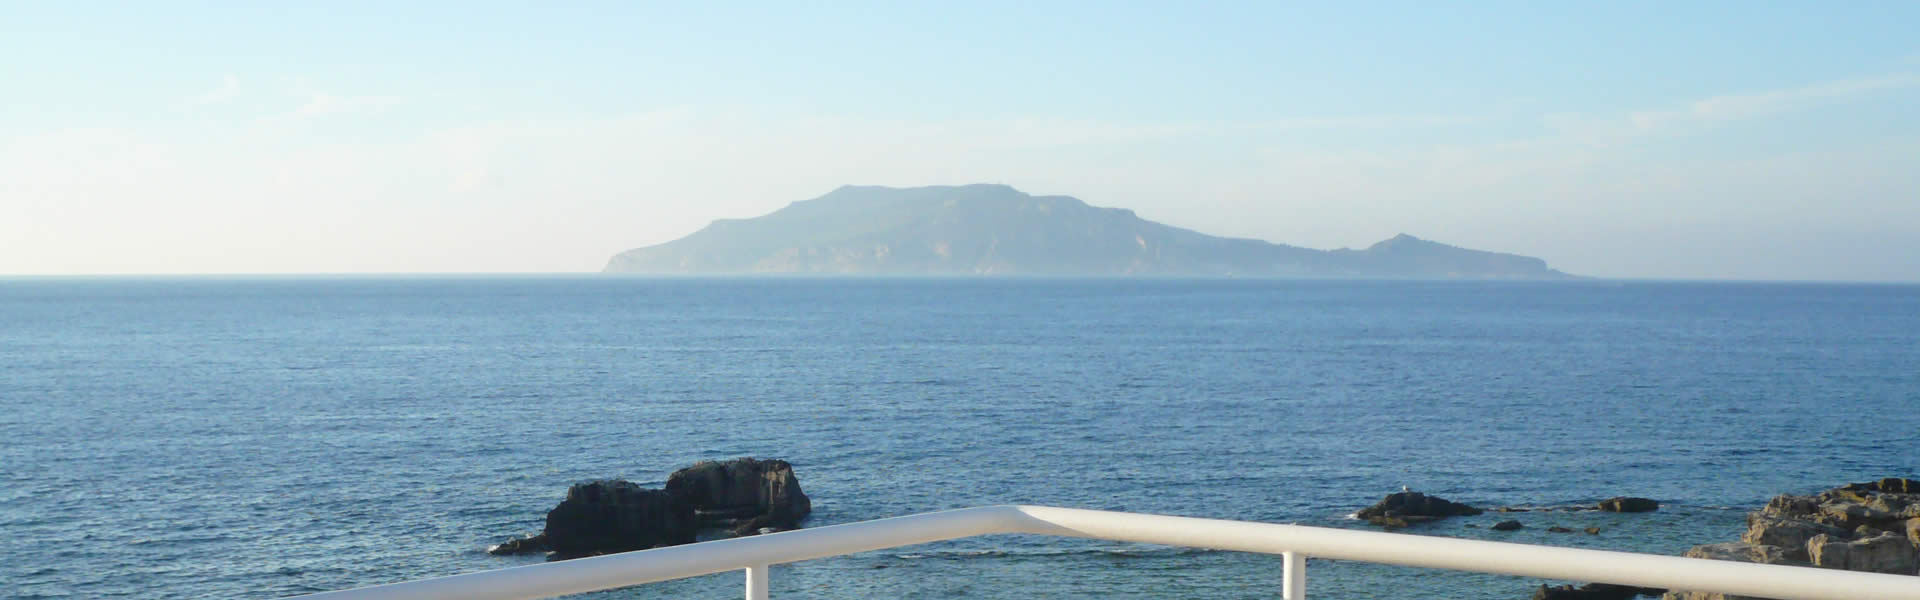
<point x="262" y="437"/>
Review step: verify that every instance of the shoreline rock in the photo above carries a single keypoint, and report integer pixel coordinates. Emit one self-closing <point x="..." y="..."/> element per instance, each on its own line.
<point x="1871" y="527"/>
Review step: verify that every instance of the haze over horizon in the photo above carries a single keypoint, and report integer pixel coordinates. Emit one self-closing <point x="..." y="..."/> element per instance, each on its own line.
<point x="1713" y="140"/>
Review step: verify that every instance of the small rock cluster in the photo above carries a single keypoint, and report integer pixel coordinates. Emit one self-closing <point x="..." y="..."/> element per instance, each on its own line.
<point x="1409" y="507"/>
<point x="746" y="495"/>
<point x="1873" y="527"/>
<point x="1405" y="508"/>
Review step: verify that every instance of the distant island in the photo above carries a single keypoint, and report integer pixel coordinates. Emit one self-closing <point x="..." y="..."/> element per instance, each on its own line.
<point x="997" y="230"/>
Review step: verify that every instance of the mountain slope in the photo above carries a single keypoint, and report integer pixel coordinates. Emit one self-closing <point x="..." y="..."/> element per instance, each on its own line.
<point x="995" y="229"/>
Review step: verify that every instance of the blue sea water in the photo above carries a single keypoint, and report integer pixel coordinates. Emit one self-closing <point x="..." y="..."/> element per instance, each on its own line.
<point x="263" y="437"/>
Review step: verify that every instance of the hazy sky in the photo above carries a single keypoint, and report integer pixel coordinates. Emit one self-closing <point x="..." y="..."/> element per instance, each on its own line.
<point x="1746" y="140"/>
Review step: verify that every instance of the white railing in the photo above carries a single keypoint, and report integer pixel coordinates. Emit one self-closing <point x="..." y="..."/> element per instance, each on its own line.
<point x="1294" y="542"/>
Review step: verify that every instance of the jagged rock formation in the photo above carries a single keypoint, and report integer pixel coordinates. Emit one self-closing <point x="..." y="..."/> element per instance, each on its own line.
<point x="747" y="495"/>
<point x="1401" y="509"/>
<point x="997" y="230"/>
<point x="1871" y="527"/>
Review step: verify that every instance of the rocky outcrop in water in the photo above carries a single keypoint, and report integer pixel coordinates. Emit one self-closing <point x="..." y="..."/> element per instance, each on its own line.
<point x="746" y="495"/>
<point x="1873" y="527"/>
<point x="1401" y="509"/>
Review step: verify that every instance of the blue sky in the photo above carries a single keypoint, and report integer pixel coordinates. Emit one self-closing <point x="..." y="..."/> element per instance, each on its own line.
<point x="1680" y="140"/>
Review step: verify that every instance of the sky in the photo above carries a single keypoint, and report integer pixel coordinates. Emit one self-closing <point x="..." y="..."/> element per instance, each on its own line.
<point x="1691" y="140"/>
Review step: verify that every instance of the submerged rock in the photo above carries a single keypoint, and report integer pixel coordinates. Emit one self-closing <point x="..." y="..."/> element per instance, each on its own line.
<point x="1507" y="526"/>
<point x="1400" y="509"/>
<point x="527" y="545"/>
<point x="1628" y="504"/>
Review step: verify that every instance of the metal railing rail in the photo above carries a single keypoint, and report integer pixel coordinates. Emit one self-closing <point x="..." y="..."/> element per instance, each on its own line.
<point x="1294" y="542"/>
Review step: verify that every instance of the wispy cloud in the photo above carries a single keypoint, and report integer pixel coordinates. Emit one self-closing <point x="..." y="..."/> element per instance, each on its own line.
<point x="1741" y="106"/>
<point x="1724" y="108"/>
<point x="314" y="101"/>
<point x="1370" y="122"/>
<point x="228" y="90"/>
<point x="330" y="104"/>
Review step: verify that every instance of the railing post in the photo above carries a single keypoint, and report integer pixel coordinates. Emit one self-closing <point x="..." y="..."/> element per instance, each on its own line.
<point x="1293" y="576"/>
<point x="757" y="582"/>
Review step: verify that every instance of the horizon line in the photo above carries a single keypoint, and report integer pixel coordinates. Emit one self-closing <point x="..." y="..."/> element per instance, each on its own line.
<point x="1572" y="279"/>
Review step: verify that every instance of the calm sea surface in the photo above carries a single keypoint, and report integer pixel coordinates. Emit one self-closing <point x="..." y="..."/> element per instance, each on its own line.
<point x="254" y="438"/>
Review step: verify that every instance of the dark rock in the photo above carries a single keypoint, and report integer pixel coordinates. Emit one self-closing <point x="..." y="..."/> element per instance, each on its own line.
<point x="1507" y="526"/>
<point x="1559" y="529"/>
<point x="747" y="494"/>
<point x="1628" y="504"/>
<point x="527" y="545"/>
<point x="1403" y="508"/>
<point x="751" y="496"/>
<point x="606" y="516"/>
<point x="1898" y="485"/>
<point x="1594" y="591"/>
<point x="1593" y="531"/>
<point x="1512" y="509"/>
<point x="1388" y="521"/>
